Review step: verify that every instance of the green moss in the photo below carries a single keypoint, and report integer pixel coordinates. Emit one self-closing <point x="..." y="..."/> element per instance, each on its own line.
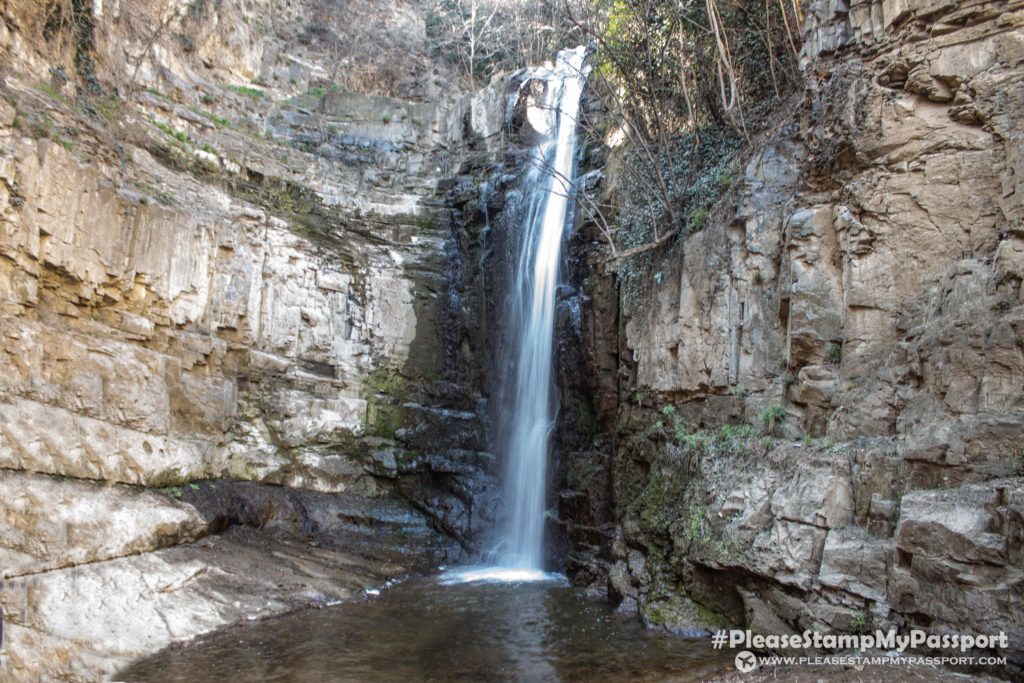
<point x="298" y="205"/>
<point x="384" y="419"/>
<point x="695" y="529"/>
<point x="386" y="381"/>
<point x="672" y="607"/>
<point x="587" y="424"/>
<point x="581" y="473"/>
<point x="660" y="506"/>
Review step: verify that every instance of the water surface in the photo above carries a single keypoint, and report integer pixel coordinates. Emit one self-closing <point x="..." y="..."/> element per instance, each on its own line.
<point x="425" y="630"/>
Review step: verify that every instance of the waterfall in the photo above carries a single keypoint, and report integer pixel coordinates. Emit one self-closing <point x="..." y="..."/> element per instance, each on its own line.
<point x="530" y="414"/>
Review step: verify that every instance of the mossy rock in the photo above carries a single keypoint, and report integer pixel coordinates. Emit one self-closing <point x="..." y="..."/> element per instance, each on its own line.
<point x="673" y="611"/>
<point x="384" y="419"/>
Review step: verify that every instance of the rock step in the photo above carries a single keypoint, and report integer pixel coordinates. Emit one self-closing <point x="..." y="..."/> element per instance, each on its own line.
<point x="51" y="522"/>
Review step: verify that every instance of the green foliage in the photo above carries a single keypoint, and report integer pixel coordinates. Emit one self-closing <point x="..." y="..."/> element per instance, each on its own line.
<point x="219" y="121"/>
<point x="668" y="411"/>
<point x="696" y="440"/>
<point x="835" y="353"/>
<point x="680" y="432"/>
<point x="178" y="135"/>
<point x="772" y="415"/>
<point x="109" y="107"/>
<point x="246" y="91"/>
<point x="1002" y="306"/>
<point x="730" y="439"/>
<point x="658" y="66"/>
<point x="42" y="127"/>
<point x="724" y="179"/>
<point x="690" y="164"/>
<point x="164" y="197"/>
<point x="860" y="622"/>
<point x="50" y="91"/>
<point x="316" y="91"/>
<point x="695" y="528"/>
<point x="733" y="433"/>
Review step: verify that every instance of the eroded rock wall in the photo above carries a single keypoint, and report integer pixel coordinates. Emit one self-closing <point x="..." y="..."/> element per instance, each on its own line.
<point x="224" y="261"/>
<point x="819" y="408"/>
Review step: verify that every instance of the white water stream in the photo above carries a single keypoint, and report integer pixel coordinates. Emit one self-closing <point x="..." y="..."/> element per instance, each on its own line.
<point x="531" y="320"/>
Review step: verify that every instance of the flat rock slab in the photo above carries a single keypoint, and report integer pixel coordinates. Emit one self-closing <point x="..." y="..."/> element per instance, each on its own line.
<point x="87" y="622"/>
<point x="48" y="523"/>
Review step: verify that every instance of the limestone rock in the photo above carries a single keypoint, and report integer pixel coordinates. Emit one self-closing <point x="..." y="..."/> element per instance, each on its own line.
<point x="50" y="524"/>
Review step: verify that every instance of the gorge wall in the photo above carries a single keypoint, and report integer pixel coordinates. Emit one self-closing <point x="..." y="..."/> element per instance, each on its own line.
<point x="242" y="367"/>
<point x="247" y="343"/>
<point x="812" y="416"/>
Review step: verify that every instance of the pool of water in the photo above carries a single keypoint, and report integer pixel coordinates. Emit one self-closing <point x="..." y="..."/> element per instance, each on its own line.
<point x="434" y="629"/>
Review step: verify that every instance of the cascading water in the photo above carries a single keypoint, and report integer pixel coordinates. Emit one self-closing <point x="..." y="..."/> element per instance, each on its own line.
<point x="529" y="410"/>
<point x="533" y="308"/>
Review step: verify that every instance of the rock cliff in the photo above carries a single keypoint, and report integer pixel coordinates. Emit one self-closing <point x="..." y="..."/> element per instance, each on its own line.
<point x="249" y="253"/>
<point x="228" y="254"/>
<point x="813" y="416"/>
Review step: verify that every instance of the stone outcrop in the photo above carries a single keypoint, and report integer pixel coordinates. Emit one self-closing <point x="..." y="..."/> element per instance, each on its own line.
<point x="817" y="408"/>
<point x="221" y="261"/>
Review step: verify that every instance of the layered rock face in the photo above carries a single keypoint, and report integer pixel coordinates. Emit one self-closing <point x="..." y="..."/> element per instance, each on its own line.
<point x="818" y="410"/>
<point x="222" y="260"/>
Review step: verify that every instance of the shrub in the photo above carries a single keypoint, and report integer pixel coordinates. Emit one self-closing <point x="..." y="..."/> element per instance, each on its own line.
<point x="772" y="415"/>
<point x="699" y="218"/>
<point x="835" y="353"/>
<point x="724" y="179"/>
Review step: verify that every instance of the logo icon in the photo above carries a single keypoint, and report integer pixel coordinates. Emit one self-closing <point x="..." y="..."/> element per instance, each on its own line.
<point x="746" y="662"/>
